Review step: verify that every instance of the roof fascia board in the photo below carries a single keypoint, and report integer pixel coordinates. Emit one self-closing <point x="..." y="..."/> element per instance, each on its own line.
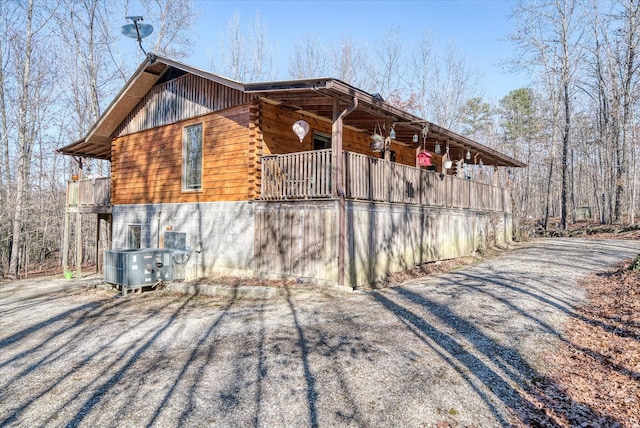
<point x="288" y="85"/>
<point x="202" y="73"/>
<point x="123" y="92"/>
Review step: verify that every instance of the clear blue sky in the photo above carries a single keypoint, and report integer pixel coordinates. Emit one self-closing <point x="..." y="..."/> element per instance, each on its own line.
<point x="479" y="29"/>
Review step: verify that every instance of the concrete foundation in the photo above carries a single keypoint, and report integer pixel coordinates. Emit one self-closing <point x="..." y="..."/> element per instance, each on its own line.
<point x="299" y="239"/>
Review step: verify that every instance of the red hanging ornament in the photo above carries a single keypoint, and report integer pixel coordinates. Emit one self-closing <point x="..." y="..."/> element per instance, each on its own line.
<point x="424" y="158"/>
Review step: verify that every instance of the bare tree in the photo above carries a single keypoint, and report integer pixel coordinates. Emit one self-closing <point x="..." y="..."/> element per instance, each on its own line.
<point x="171" y="20"/>
<point x="548" y="39"/>
<point x="32" y="87"/>
<point x="454" y="81"/>
<point x="310" y="59"/>
<point x="611" y="81"/>
<point x="90" y="70"/>
<point x="421" y="73"/>
<point x="351" y="64"/>
<point x="245" y="55"/>
<point x="387" y="66"/>
<point x="262" y="53"/>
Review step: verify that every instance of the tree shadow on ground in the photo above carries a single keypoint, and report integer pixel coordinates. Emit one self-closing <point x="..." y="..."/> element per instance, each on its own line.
<point x="76" y="327"/>
<point x="494" y="371"/>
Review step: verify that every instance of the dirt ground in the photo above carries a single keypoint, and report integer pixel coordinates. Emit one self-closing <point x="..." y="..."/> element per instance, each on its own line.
<point x="479" y="346"/>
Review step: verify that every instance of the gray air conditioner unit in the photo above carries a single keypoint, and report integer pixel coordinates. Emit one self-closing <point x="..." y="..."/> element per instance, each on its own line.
<point x="136" y="268"/>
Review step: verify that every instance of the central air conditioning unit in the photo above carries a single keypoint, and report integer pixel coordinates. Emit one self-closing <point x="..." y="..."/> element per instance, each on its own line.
<point x="138" y="268"/>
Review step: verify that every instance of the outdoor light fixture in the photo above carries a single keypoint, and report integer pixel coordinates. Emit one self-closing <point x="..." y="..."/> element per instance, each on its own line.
<point x="415" y="138"/>
<point x="392" y="133"/>
<point x="468" y="154"/>
<point x="437" y="149"/>
<point x="300" y="128"/>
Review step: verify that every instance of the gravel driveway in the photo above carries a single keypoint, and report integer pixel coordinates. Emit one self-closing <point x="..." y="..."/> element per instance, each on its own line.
<point x="457" y="348"/>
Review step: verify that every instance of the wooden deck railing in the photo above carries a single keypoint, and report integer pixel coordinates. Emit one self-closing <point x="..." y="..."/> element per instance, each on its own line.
<point x="94" y="192"/>
<point x="301" y="175"/>
<point x="307" y="175"/>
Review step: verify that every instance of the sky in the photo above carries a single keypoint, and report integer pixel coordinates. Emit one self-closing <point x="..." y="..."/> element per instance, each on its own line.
<point x="478" y="28"/>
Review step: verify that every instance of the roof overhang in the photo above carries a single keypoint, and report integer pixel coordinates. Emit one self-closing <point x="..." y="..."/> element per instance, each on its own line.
<point x="97" y="142"/>
<point x="322" y="98"/>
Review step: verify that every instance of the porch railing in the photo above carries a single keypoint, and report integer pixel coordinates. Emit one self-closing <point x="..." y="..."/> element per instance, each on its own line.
<point x="307" y="175"/>
<point x="89" y="192"/>
<point x="301" y="175"/>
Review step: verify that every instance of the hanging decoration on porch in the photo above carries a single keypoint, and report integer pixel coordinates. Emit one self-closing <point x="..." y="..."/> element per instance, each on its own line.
<point x="377" y="139"/>
<point x="301" y="129"/>
<point x="447" y="163"/>
<point x="424" y="157"/>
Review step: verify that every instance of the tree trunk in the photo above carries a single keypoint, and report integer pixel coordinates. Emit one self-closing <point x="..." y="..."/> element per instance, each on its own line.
<point x="549" y="185"/>
<point x="565" y="151"/>
<point x="24" y="150"/>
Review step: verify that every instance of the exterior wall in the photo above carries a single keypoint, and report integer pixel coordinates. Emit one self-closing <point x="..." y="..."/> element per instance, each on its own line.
<point x="147" y="166"/>
<point x="299" y="239"/>
<point x="223" y="230"/>
<point x="276" y="239"/>
<point x="386" y="238"/>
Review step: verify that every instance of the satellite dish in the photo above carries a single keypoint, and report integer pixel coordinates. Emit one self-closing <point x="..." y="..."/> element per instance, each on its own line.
<point x="132" y="30"/>
<point x="137" y="30"/>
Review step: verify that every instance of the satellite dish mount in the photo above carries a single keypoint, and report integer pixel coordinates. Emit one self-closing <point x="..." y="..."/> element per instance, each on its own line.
<point x="138" y="30"/>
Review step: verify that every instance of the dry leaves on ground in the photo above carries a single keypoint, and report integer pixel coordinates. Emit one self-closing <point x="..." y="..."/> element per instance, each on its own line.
<point x="594" y="378"/>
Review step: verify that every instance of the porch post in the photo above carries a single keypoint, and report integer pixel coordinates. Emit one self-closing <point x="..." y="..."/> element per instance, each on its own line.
<point x="65" y="240"/>
<point x="97" y="243"/>
<point x="338" y="156"/>
<point x="79" y="245"/>
<point x="338" y="189"/>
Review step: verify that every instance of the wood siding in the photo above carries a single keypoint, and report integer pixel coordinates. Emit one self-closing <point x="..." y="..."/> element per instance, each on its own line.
<point x="147" y="166"/>
<point x="179" y="99"/>
<point x="278" y="138"/>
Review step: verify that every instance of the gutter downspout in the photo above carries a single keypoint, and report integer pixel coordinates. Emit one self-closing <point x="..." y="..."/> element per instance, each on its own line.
<point x="338" y="155"/>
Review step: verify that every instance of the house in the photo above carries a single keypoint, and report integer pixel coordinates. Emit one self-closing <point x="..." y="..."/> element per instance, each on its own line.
<point x="212" y="168"/>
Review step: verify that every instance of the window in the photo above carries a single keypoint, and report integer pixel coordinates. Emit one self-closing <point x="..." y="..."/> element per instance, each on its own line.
<point x="192" y="157"/>
<point x="133" y="236"/>
<point x="321" y="141"/>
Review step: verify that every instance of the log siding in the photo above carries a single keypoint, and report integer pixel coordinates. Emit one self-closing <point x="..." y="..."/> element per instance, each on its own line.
<point x="147" y="166"/>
